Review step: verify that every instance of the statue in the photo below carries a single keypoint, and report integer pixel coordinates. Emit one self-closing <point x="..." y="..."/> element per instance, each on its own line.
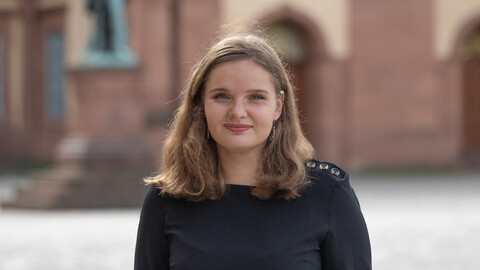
<point x="108" y="44"/>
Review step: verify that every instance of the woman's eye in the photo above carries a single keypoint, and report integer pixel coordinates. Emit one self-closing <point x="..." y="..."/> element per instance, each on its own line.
<point x="257" y="97"/>
<point x="220" y="96"/>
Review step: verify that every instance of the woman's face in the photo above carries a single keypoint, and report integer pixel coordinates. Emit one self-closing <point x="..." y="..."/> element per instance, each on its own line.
<point x="240" y="105"/>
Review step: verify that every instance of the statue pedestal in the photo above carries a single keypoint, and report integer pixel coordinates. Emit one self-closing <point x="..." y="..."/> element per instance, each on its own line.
<point x="104" y="157"/>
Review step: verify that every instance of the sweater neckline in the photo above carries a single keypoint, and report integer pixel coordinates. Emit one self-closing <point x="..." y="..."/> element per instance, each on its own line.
<point x="240" y="186"/>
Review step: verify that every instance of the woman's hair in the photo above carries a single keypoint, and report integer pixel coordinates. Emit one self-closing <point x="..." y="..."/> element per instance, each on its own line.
<point x="190" y="167"/>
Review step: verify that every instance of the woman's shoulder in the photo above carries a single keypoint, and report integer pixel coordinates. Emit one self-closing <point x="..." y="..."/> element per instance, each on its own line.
<point x="324" y="173"/>
<point x="328" y="179"/>
<point x="155" y="197"/>
<point x="326" y="169"/>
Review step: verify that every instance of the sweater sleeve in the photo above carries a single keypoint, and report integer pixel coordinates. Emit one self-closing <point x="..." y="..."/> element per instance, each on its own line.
<point x="152" y="250"/>
<point x="346" y="245"/>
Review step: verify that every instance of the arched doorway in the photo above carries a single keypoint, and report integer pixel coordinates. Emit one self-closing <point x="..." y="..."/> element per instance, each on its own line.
<point x="291" y="42"/>
<point x="470" y="53"/>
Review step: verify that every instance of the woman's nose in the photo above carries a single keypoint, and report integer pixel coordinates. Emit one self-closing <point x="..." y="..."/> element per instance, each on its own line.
<point x="238" y="110"/>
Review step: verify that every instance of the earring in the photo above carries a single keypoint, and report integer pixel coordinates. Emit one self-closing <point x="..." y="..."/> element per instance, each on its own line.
<point x="208" y="134"/>
<point x="272" y="135"/>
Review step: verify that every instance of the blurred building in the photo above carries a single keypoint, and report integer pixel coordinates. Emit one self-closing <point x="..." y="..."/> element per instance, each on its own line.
<point x="380" y="83"/>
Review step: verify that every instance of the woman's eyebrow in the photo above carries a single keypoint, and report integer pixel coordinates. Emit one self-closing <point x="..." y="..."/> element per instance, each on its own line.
<point x="219" y="89"/>
<point x="263" y="91"/>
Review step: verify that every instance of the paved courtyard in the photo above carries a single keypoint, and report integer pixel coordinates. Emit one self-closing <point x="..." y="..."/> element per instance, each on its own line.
<point x="426" y="222"/>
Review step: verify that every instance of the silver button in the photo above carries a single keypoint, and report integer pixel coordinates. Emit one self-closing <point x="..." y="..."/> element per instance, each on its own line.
<point x="311" y="164"/>
<point x="323" y="166"/>
<point x="335" y="171"/>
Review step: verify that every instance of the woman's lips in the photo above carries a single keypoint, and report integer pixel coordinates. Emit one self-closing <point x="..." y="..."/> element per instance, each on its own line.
<point x="237" y="127"/>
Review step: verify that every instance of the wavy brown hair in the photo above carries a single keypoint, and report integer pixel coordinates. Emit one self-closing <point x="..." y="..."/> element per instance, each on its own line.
<point x="190" y="167"/>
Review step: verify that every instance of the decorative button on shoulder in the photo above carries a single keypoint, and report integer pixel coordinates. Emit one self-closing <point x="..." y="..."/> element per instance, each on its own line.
<point x="323" y="166"/>
<point x="335" y="171"/>
<point x="311" y="164"/>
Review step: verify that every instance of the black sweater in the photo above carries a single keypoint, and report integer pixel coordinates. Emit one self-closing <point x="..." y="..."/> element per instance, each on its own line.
<point x="323" y="229"/>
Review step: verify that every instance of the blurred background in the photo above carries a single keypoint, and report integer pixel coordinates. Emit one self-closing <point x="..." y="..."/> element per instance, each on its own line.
<point x="389" y="90"/>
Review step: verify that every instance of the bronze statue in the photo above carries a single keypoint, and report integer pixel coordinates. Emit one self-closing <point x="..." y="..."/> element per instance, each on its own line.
<point x="108" y="44"/>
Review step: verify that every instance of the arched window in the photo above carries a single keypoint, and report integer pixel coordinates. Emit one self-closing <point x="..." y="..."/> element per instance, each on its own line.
<point x="471" y="47"/>
<point x="2" y="76"/>
<point x="470" y="53"/>
<point x="54" y="75"/>
<point x="289" y="40"/>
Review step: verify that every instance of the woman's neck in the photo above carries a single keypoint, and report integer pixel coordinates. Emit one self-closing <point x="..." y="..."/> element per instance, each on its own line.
<point x="239" y="168"/>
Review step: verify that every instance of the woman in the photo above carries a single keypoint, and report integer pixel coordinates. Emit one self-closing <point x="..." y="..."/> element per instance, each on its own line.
<point x="238" y="188"/>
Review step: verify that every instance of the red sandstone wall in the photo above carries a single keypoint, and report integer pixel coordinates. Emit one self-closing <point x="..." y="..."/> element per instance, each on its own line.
<point x="395" y="110"/>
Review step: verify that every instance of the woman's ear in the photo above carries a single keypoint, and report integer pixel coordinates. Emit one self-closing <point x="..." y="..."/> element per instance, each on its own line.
<point x="279" y="108"/>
